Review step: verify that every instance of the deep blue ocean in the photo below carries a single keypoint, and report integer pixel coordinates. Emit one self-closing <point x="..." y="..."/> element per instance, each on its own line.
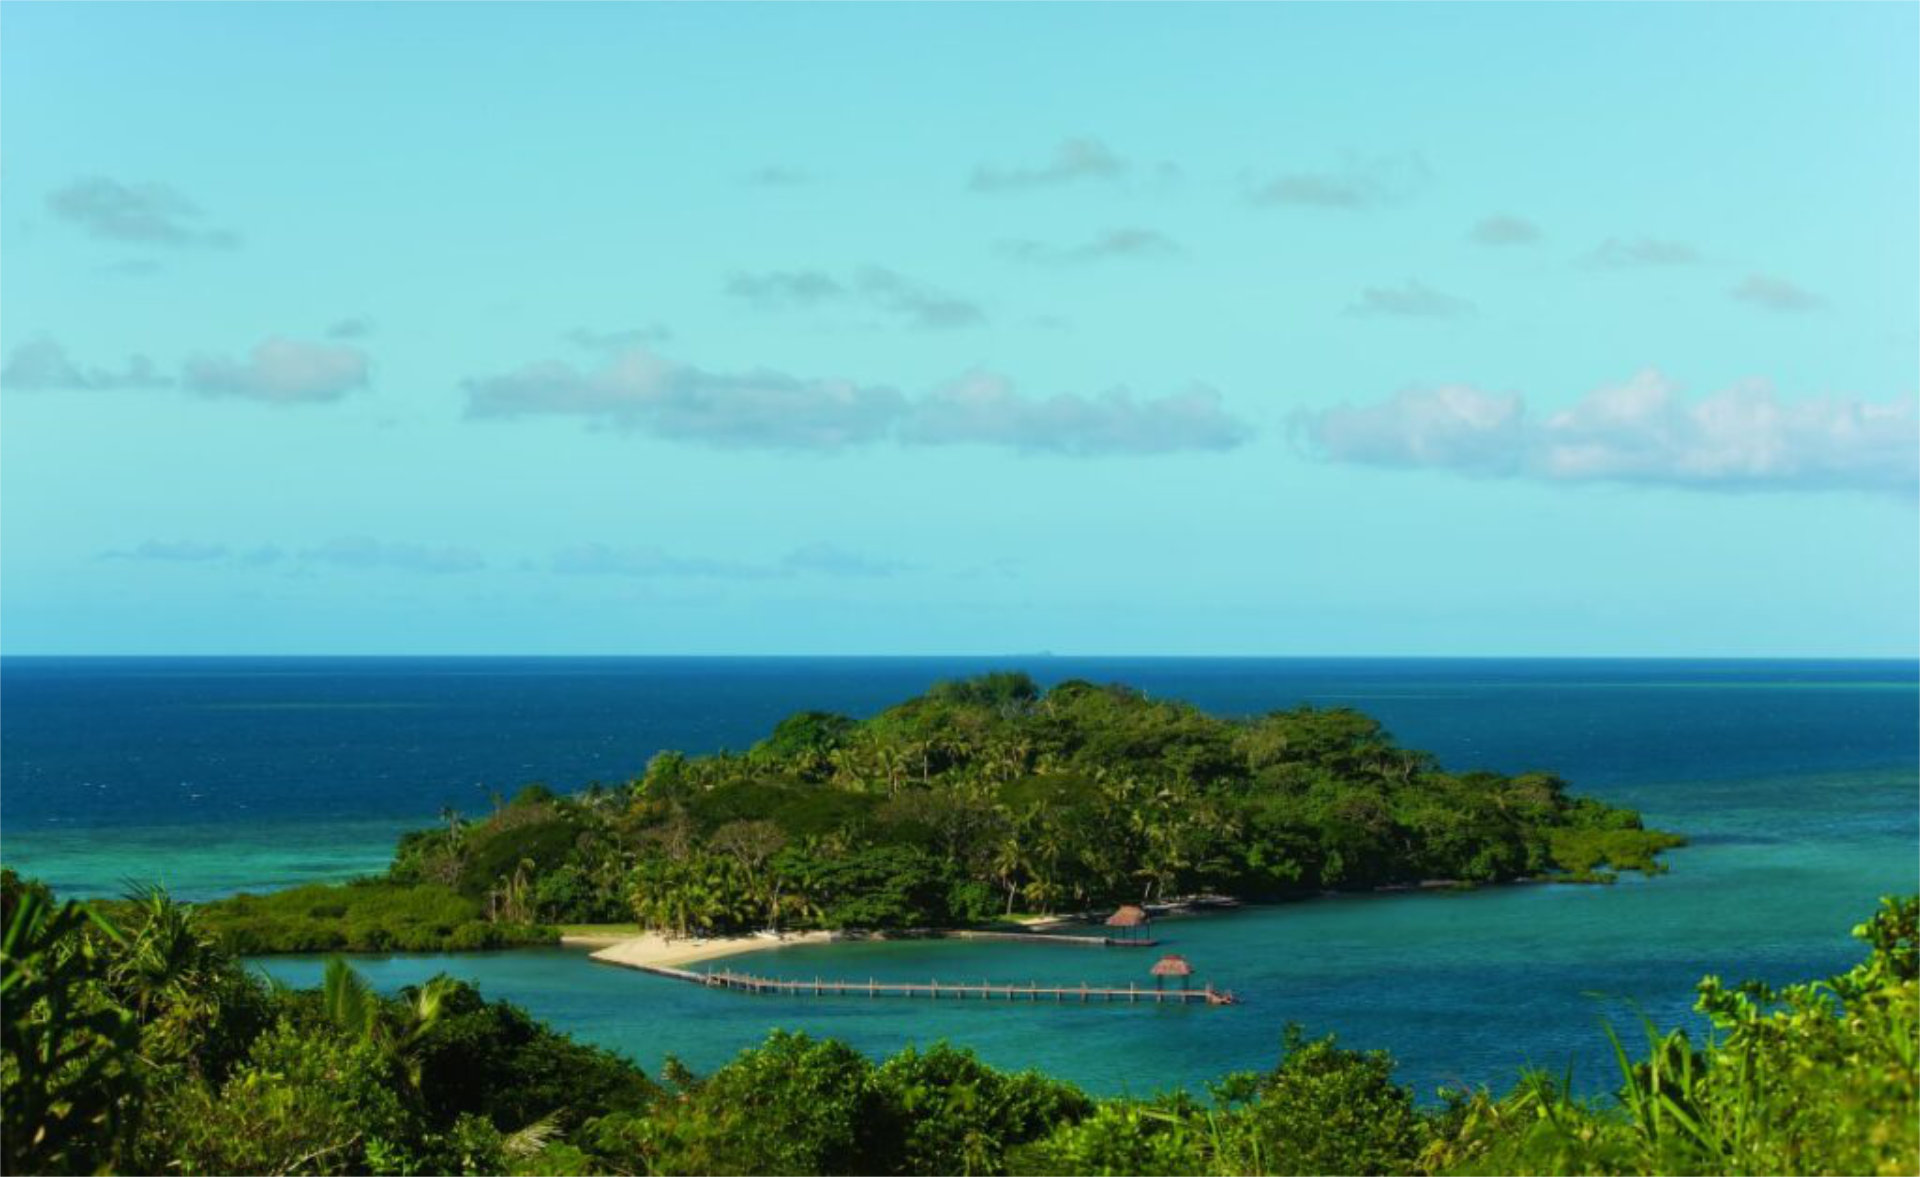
<point x="1797" y="782"/>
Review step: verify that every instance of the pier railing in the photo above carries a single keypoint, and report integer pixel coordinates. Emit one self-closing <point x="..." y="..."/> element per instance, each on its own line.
<point x="937" y="990"/>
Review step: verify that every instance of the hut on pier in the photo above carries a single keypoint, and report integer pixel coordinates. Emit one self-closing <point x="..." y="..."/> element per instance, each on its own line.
<point x="1172" y="965"/>
<point x="1128" y="923"/>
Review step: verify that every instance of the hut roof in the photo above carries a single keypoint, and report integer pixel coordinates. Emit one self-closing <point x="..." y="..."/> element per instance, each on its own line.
<point x="1127" y="917"/>
<point x="1172" y="965"/>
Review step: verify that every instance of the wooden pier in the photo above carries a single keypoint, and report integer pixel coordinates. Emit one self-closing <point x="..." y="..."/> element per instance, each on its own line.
<point x="936" y="990"/>
<point x="1050" y="938"/>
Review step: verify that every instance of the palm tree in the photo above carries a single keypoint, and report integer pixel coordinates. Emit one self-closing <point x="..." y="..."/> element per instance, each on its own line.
<point x="1009" y="862"/>
<point x="456" y="828"/>
<point x="166" y="953"/>
<point x="352" y="1006"/>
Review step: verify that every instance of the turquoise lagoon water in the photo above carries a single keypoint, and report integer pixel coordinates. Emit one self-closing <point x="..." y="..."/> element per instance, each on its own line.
<point x="1797" y="782"/>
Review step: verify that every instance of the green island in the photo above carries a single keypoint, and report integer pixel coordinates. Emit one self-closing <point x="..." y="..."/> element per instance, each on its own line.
<point x="136" y="1043"/>
<point x="982" y="799"/>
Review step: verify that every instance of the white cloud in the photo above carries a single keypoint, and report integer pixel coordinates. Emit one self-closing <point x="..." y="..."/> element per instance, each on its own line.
<point x="281" y="371"/>
<point x="1642" y="431"/>
<point x="640" y="391"/>
<point x="1453" y="427"/>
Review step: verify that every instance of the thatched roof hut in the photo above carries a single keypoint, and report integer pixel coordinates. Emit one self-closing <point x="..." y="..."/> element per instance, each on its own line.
<point x="1172" y="965"/>
<point x="1128" y="916"/>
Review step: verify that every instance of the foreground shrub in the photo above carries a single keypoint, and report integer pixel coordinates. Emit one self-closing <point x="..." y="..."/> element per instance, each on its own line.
<point x="951" y="1113"/>
<point x="1814" y="1078"/>
<point x="792" y="1106"/>
<point x="141" y="1046"/>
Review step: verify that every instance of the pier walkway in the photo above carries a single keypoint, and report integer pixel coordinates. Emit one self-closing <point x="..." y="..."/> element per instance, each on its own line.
<point x="1049" y="938"/>
<point x="935" y="990"/>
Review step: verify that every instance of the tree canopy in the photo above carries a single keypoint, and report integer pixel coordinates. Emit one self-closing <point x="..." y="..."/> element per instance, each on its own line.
<point x="988" y="796"/>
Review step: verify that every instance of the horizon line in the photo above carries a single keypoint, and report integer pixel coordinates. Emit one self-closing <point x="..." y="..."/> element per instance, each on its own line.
<point x="1038" y="656"/>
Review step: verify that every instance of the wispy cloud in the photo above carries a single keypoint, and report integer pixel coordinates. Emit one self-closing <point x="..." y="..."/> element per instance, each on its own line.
<point x="603" y="560"/>
<point x="982" y="408"/>
<point x="646" y="561"/>
<point x="142" y="214"/>
<point x="1359" y="184"/>
<point x="776" y="176"/>
<point x="1073" y="160"/>
<point x="783" y="290"/>
<point x="1505" y="229"/>
<point x="1642" y="431"/>
<point x="614" y="340"/>
<point x="356" y="552"/>
<point x="173" y="551"/>
<point x="915" y="303"/>
<point x="1619" y="253"/>
<point x="281" y="371"/>
<point x="902" y="299"/>
<point x="43" y="364"/>
<point x="1775" y="294"/>
<point x="830" y="560"/>
<point x="1115" y="243"/>
<point x="1414" y="300"/>
<point x="134" y="267"/>
<point x="278" y="371"/>
<point x="364" y="552"/>
<point x="640" y="391"/>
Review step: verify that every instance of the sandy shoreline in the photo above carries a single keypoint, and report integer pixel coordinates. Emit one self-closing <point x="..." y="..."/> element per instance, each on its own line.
<point x="652" y="948"/>
<point x="655" y="949"/>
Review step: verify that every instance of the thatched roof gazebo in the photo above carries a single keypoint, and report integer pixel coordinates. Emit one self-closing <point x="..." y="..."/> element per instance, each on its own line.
<point x="1171" y="965"/>
<point x="1128" y="921"/>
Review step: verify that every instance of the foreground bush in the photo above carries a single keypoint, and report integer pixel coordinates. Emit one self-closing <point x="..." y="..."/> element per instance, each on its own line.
<point x="1815" y="1078"/>
<point x="138" y="1044"/>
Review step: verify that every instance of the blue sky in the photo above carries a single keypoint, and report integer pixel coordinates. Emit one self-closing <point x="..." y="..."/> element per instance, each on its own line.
<point x="1249" y="329"/>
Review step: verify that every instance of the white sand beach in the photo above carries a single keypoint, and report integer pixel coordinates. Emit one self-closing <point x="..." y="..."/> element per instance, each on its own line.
<point x="654" y="949"/>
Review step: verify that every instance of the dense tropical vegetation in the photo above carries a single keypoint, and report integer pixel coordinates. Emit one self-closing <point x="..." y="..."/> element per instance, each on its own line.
<point x="134" y="1042"/>
<point x="368" y="915"/>
<point x="978" y="799"/>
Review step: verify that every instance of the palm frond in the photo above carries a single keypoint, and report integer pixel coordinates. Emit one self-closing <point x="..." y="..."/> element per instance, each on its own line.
<point x="347" y="998"/>
<point x="531" y="1139"/>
